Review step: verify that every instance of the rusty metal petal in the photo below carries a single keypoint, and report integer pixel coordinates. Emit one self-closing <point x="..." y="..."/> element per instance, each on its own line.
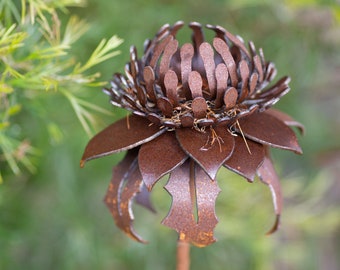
<point x="122" y="135"/>
<point x="210" y="149"/>
<point x="230" y="98"/>
<point x="268" y="175"/>
<point x="221" y="73"/>
<point x="159" y="157"/>
<point x="288" y="120"/>
<point x="223" y="49"/>
<point x="268" y="130"/>
<point x="246" y="158"/>
<point x="207" y="54"/>
<point x="189" y="185"/>
<point x="125" y="184"/>
<point x="143" y="199"/>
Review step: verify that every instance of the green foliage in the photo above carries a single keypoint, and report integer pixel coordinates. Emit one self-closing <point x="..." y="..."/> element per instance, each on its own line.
<point x="36" y="58"/>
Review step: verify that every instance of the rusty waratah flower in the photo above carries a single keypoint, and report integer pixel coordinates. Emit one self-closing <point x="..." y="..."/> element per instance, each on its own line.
<point x="195" y="108"/>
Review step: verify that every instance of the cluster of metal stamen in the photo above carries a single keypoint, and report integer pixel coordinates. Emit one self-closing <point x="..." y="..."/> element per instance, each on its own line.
<point x="196" y="85"/>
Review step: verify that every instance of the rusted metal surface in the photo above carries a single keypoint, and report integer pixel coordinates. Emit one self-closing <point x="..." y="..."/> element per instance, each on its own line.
<point x="196" y="107"/>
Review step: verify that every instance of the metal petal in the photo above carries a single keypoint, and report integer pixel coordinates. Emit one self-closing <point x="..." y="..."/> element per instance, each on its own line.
<point x="207" y="54"/>
<point x="258" y="66"/>
<point x="230" y="98"/>
<point x="122" y="135"/>
<point x="169" y="51"/>
<point x="210" y="149"/>
<point x="189" y="185"/>
<point x="149" y="77"/>
<point x="159" y="157"/>
<point x="143" y="199"/>
<point x="288" y="120"/>
<point x="223" y="49"/>
<point x="244" y="162"/>
<point x="197" y="37"/>
<point x="170" y="83"/>
<point x="165" y="106"/>
<point x="126" y="182"/>
<point x="268" y="130"/>
<point x="186" y="53"/>
<point x="268" y="175"/>
<point x="199" y="107"/>
<point x="222" y="75"/>
<point x="195" y="84"/>
<point x="158" y="50"/>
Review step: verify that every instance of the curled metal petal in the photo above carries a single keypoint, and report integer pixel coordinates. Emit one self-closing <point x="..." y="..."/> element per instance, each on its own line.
<point x="268" y="175"/>
<point x="122" y="135"/>
<point x="125" y="184"/>
<point x="143" y="198"/>
<point x="246" y="158"/>
<point x="210" y="149"/>
<point x="288" y="120"/>
<point x="159" y="157"/>
<point x="268" y="130"/>
<point x="159" y="50"/>
<point x="189" y="185"/>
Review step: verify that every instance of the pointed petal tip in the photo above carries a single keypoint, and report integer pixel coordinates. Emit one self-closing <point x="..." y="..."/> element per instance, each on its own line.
<point x="148" y="186"/>
<point x="275" y="226"/>
<point x="299" y="150"/>
<point x="137" y="238"/>
<point x="82" y="163"/>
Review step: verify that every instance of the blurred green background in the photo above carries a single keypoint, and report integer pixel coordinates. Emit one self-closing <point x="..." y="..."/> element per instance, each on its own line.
<point x="54" y="218"/>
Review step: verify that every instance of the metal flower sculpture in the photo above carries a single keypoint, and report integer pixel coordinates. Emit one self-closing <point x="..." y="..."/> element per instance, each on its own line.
<point x="195" y="108"/>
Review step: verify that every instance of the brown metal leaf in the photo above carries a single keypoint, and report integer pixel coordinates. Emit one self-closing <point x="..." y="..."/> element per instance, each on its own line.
<point x="189" y="185"/>
<point x="125" y="184"/>
<point x="288" y="120"/>
<point x="268" y="175"/>
<point x="122" y="135"/>
<point x="207" y="191"/>
<point x="159" y="157"/>
<point x="243" y="162"/>
<point x="266" y="129"/>
<point x="209" y="149"/>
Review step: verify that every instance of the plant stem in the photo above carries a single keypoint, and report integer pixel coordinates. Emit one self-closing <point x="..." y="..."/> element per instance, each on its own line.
<point x="183" y="255"/>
